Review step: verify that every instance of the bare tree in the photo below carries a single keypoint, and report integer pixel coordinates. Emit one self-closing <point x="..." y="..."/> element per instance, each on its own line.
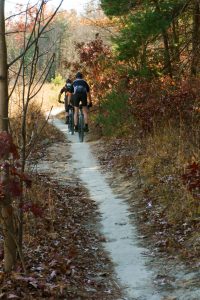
<point x="6" y="206"/>
<point x="195" y="38"/>
<point x="32" y="83"/>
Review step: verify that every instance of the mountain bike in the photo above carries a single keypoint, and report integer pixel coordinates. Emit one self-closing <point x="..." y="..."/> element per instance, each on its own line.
<point x="71" y="118"/>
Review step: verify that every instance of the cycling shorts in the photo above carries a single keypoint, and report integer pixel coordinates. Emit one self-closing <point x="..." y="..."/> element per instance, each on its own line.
<point x="80" y="97"/>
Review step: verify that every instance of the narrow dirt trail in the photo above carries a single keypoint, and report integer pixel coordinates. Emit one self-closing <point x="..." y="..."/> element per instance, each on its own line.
<point x="133" y="263"/>
<point x="120" y="236"/>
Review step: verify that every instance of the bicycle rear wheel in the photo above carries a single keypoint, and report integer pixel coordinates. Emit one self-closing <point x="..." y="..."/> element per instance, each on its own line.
<point x="81" y="127"/>
<point x="71" y="122"/>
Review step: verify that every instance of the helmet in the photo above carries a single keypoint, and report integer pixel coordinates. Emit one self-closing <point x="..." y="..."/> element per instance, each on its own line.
<point x="68" y="81"/>
<point x="79" y="75"/>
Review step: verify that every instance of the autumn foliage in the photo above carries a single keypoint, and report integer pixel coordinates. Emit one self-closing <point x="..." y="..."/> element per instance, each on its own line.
<point x="154" y="122"/>
<point x="10" y="164"/>
<point x="95" y="60"/>
<point x="191" y="179"/>
<point x="162" y="100"/>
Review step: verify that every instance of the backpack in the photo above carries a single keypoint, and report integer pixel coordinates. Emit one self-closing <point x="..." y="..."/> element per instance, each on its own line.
<point x="79" y="89"/>
<point x="69" y="87"/>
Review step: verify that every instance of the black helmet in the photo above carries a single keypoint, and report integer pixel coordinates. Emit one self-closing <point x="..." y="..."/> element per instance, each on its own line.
<point x="68" y="81"/>
<point x="79" y="75"/>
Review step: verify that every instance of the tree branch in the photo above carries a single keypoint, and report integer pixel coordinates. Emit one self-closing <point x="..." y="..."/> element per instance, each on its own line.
<point x="40" y="33"/>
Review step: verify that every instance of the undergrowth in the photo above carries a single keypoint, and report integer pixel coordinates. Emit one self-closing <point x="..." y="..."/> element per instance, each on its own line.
<point x="160" y="121"/>
<point x="163" y="163"/>
<point x="39" y="131"/>
<point x="112" y="113"/>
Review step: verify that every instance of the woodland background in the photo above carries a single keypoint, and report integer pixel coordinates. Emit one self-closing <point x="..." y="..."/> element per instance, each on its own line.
<point x="141" y="59"/>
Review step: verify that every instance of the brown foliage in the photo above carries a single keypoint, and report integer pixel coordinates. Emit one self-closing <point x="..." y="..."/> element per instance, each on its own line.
<point x="191" y="178"/>
<point x="63" y="252"/>
<point x="163" y="100"/>
<point x="97" y="64"/>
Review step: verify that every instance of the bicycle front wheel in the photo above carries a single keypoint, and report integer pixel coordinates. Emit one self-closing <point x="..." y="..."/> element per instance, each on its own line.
<point x="81" y="128"/>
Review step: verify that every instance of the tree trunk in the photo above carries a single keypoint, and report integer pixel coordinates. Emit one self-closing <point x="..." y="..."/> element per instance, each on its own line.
<point x="167" y="56"/>
<point x="195" y="38"/>
<point x="176" y="47"/>
<point x="3" y="73"/>
<point x="6" y="206"/>
<point x="167" y="59"/>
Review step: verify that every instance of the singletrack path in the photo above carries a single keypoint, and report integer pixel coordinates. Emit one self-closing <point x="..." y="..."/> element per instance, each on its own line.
<point x="132" y="262"/>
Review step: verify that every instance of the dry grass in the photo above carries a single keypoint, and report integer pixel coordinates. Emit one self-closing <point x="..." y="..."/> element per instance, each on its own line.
<point x="45" y="99"/>
<point x="150" y="171"/>
<point x="39" y="200"/>
<point x="165" y="156"/>
<point x="48" y="97"/>
<point x="38" y="129"/>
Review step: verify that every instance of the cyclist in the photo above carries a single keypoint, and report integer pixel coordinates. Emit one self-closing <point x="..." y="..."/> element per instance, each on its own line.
<point x="81" y="92"/>
<point x="68" y="90"/>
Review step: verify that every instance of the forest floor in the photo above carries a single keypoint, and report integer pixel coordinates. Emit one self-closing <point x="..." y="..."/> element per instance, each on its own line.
<point x="63" y="253"/>
<point x="88" y="242"/>
<point x="176" y="276"/>
<point x="126" y="241"/>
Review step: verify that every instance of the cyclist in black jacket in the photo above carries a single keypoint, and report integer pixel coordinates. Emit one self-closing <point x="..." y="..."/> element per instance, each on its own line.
<point x="81" y="92"/>
<point x="68" y="90"/>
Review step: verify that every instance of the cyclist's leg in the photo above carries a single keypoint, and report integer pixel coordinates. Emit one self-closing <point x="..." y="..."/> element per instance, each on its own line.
<point x="76" y="115"/>
<point x="85" y="113"/>
<point x="66" y="110"/>
<point x="72" y="110"/>
<point x="85" y="110"/>
<point x="81" y="126"/>
<point x="72" y="100"/>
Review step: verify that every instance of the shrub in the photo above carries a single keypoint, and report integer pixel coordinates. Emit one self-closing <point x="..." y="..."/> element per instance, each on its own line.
<point x="113" y="112"/>
<point x="163" y="100"/>
<point x="58" y="80"/>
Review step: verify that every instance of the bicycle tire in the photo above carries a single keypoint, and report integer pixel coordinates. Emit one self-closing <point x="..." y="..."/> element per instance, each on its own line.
<point x="81" y="127"/>
<point x="71" y="123"/>
<point x="72" y="126"/>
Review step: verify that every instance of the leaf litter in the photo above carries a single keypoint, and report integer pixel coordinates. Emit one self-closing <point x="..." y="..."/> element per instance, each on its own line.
<point x="165" y="245"/>
<point x="63" y="250"/>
